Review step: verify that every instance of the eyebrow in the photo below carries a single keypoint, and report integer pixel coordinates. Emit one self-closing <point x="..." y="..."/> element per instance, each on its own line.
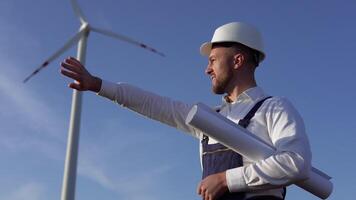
<point x="212" y="56"/>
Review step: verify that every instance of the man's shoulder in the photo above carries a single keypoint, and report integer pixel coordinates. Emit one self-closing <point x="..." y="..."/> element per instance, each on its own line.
<point x="279" y="103"/>
<point x="278" y="99"/>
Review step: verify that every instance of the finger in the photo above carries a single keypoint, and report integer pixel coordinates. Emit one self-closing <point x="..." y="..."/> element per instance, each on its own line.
<point x="74" y="60"/>
<point x="206" y="195"/>
<point x="199" y="189"/>
<point x="203" y="192"/>
<point x="71" y="75"/>
<point x="73" y="63"/>
<point x="75" y="86"/>
<point x="71" y="67"/>
<point x="202" y="196"/>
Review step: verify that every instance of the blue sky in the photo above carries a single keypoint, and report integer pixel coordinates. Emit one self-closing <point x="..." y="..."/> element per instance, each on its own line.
<point x="310" y="47"/>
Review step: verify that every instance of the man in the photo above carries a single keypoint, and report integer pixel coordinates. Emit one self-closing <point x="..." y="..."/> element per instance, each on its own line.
<point x="233" y="53"/>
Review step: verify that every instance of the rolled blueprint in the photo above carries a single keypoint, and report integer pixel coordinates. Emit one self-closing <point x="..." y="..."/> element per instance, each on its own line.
<point x="241" y="140"/>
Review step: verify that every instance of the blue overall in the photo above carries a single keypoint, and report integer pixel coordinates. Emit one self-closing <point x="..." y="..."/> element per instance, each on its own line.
<point x="218" y="158"/>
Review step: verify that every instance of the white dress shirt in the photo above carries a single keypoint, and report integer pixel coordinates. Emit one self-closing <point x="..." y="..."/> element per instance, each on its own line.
<point x="276" y="122"/>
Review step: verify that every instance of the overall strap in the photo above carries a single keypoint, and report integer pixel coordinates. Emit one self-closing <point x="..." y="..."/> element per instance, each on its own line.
<point x="246" y="120"/>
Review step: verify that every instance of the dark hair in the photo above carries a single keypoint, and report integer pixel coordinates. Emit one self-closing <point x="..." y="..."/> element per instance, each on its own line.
<point x="253" y="55"/>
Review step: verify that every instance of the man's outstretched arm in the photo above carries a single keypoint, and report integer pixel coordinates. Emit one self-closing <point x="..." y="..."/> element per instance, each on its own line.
<point x="163" y="109"/>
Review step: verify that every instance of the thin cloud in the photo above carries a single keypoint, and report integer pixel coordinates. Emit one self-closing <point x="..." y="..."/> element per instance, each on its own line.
<point x="135" y="185"/>
<point x="28" y="191"/>
<point x="27" y="108"/>
<point x="113" y="163"/>
<point x="29" y="123"/>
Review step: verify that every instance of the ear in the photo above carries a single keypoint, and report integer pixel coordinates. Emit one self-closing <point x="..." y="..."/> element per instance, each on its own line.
<point x="239" y="60"/>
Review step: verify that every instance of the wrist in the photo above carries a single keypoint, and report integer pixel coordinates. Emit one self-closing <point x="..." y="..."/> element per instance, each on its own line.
<point x="96" y="86"/>
<point x="236" y="180"/>
<point x="223" y="180"/>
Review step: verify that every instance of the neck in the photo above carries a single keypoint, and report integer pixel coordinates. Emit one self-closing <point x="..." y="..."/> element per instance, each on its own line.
<point x="239" y="86"/>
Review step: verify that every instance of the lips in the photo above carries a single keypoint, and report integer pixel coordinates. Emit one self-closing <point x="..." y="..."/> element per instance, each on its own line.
<point x="213" y="80"/>
<point x="212" y="77"/>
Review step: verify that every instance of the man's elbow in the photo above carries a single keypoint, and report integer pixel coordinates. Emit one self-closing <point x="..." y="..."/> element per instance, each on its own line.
<point x="301" y="169"/>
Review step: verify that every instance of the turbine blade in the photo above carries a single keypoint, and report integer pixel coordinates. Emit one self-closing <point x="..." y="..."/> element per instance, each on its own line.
<point x="78" y="11"/>
<point x="126" y="39"/>
<point x="66" y="46"/>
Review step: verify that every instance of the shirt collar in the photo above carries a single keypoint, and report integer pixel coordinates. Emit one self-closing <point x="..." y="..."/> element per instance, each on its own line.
<point x="251" y="94"/>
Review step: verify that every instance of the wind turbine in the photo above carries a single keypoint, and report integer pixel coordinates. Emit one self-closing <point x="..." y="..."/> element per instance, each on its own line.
<point x="70" y="167"/>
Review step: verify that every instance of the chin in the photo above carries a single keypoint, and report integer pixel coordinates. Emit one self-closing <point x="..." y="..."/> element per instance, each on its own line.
<point x="220" y="86"/>
<point x="217" y="90"/>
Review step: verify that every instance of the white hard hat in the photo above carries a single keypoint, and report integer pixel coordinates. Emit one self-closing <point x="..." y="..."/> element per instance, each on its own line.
<point x="236" y="32"/>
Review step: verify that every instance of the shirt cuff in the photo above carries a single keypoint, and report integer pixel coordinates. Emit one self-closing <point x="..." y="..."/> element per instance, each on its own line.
<point x="107" y="89"/>
<point x="235" y="180"/>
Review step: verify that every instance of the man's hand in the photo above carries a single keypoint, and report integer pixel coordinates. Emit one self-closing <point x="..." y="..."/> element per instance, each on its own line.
<point x="213" y="186"/>
<point x="84" y="81"/>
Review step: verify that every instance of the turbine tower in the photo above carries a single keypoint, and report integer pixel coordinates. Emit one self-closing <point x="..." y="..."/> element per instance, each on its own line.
<point x="70" y="166"/>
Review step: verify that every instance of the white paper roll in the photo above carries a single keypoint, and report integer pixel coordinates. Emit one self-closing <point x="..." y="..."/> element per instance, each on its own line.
<point x="240" y="140"/>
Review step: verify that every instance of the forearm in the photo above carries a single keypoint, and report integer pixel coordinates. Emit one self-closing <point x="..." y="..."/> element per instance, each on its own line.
<point x="163" y="109"/>
<point x="291" y="161"/>
<point x="276" y="171"/>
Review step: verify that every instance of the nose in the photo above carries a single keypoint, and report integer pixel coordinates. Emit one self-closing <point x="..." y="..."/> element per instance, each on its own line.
<point x="208" y="69"/>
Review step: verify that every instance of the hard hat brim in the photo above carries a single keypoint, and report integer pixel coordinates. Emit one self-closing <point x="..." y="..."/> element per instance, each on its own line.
<point x="205" y="48"/>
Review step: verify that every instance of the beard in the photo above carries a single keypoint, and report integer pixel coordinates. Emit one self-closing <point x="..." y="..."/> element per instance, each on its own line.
<point x="219" y="86"/>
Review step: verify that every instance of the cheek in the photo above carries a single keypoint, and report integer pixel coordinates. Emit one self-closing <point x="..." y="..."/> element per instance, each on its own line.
<point x="218" y="68"/>
<point x="221" y="69"/>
